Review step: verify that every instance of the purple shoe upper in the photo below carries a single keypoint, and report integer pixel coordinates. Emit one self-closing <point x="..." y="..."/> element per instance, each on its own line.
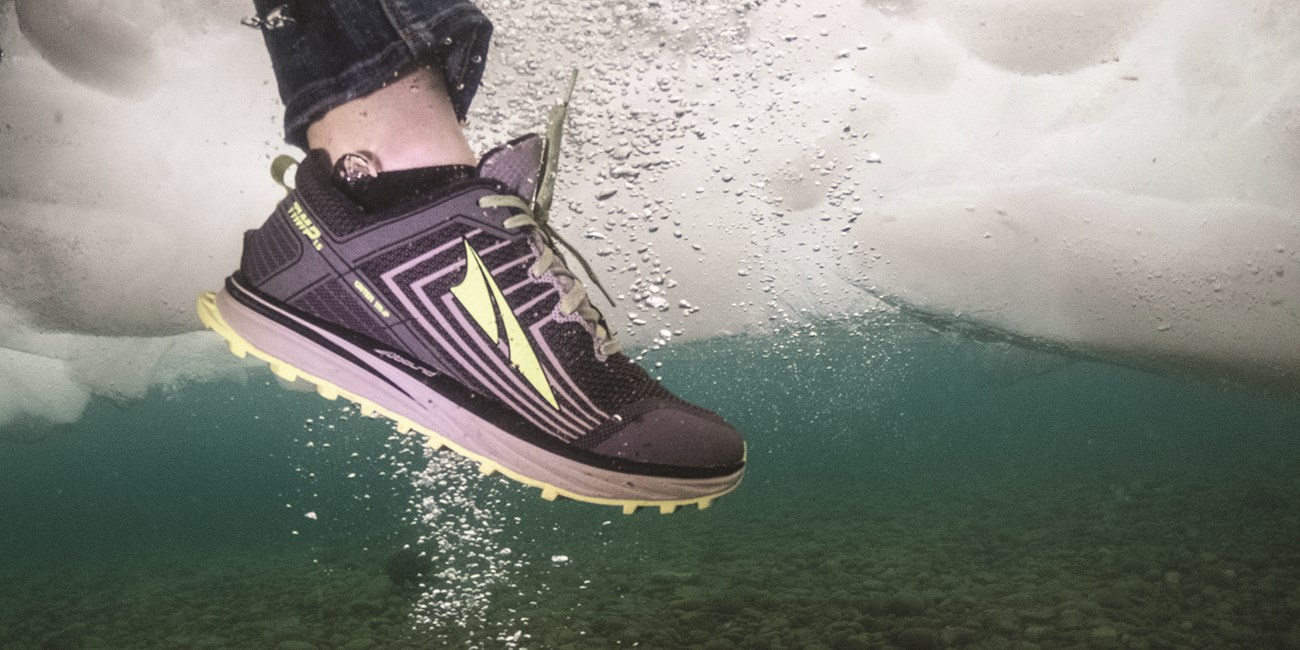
<point x="444" y="284"/>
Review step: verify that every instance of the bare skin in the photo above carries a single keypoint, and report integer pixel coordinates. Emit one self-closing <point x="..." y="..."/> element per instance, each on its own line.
<point x="406" y="124"/>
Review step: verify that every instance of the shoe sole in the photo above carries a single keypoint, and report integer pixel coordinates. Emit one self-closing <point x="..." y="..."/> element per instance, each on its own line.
<point x="293" y="357"/>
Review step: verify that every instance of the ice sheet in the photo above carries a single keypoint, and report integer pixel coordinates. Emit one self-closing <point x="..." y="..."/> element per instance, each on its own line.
<point x="1112" y="177"/>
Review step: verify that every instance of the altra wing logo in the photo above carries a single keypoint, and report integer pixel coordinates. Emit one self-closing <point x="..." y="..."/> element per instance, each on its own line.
<point x="483" y="301"/>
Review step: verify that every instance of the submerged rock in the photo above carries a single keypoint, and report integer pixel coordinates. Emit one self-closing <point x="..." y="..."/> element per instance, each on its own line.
<point x="919" y="639"/>
<point x="907" y="602"/>
<point x="407" y="567"/>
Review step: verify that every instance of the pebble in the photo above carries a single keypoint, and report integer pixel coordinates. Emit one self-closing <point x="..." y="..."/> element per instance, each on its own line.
<point x="1071" y="618"/>
<point x="906" y="602"/>
<point x="919" y="638"/>
<point x="1104" y="632"/>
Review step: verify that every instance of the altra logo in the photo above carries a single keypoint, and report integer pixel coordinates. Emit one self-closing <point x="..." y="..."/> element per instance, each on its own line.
<point x="483" y="301"/>
<point x="304" y="224"/>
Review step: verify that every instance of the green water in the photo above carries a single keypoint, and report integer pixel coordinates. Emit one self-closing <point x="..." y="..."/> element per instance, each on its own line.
<point x="907" y="489"/>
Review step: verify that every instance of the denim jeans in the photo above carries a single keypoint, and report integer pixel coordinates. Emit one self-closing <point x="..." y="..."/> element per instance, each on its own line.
<point x="328" y="52"/>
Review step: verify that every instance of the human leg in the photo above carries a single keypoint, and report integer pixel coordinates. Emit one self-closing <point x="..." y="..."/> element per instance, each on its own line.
<point x="407" y="124"/>
<point x="330" y="54"/>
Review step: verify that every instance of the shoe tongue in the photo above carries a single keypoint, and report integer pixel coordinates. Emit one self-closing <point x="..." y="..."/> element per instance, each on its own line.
<point x="517" y="164"/>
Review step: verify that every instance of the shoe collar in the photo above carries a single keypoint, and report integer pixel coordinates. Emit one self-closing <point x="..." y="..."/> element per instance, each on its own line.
<point x="516" y="164"/>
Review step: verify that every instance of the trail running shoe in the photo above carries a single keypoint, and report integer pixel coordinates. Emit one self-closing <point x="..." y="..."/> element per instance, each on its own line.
<point x="457" y="318"/>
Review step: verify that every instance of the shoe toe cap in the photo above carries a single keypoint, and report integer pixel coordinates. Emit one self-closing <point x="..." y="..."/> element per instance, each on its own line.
<point x="677" y="436"/>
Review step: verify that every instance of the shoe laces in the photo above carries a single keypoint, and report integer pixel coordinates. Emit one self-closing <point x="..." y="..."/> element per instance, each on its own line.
<point x="536" y="216"/>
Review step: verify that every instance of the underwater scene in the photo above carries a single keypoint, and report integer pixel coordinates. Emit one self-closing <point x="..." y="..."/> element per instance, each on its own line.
<point x="1004" y="297"/>
<point x="908" y="488"/>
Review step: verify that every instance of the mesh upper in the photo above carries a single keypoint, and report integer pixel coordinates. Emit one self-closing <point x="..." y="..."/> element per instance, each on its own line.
<point x="518" y="170"/>
<point x="334" y="302"/>
<point x="614" y="386"/>
<point x="269" y="250"/>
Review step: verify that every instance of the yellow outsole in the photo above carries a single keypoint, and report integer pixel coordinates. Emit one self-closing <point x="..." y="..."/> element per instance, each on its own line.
<point x="211" y="318"/>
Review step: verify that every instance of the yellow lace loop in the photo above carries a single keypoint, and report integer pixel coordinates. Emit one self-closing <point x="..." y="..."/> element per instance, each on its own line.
<point x="280" y="170"/>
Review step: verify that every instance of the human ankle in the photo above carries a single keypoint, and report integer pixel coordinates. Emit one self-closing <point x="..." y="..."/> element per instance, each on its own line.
<point x="407" y="124"/>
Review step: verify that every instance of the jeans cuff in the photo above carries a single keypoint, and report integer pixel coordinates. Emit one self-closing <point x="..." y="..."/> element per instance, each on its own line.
<point x="455" y="39"/>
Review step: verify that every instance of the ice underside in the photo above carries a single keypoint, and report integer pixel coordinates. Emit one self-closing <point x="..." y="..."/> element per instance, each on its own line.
<point x="1109" y="178"/>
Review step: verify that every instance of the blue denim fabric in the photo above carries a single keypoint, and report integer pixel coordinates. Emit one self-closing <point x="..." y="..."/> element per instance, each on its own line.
<point x="329" y="52"/>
